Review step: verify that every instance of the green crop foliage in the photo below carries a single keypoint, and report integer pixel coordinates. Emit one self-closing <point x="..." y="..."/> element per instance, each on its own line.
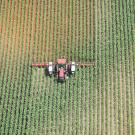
<point x="97" y="100"/>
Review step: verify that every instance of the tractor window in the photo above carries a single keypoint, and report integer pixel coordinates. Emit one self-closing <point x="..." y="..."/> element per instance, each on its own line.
<point x="61" y="65"/>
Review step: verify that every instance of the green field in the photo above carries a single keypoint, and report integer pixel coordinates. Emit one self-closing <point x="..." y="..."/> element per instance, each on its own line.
<point x="99" y="99"/>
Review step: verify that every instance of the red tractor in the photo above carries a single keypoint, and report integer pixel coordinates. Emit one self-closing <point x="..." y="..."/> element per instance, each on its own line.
<point x="61" y="68"/>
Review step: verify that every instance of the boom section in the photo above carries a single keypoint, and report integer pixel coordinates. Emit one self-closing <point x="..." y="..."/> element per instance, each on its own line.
<point x="87" y="64"/>
<point x="40" y="65"/>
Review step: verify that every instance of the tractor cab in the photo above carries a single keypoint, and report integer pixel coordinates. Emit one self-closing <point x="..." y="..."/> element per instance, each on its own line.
<point x="61" y="63"/>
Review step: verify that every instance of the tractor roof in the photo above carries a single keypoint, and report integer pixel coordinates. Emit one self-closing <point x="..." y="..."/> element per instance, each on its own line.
<point x="61" y="61"/>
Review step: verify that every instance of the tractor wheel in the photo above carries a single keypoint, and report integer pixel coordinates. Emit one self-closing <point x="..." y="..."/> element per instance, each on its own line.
<point x="53" y="68"/>
<point x="56" y="68"/>
<point x="57" y="76"/>
<point x="66" y="77"/>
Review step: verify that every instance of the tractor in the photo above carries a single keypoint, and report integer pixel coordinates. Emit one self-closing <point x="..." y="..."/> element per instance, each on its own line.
<point x="61" y="68"/>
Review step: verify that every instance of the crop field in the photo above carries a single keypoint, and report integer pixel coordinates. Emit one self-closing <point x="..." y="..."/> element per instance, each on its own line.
<point x="98" y="99"/>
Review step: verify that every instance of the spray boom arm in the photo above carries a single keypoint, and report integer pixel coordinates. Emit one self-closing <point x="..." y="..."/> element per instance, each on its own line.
<point x="40" y="65"/>
<point x="79" y="64"/>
